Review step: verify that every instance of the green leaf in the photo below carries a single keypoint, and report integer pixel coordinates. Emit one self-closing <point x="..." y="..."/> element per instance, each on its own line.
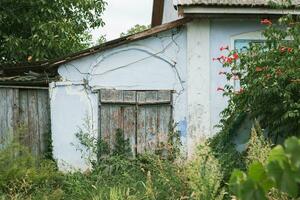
<point x="258" y="174"/>
<point x="252" y="191"/>
<point x="237" y="178"/>
<point x="277" y="154"/>
<point x="292" y="148"/>
<point x="283" y="177"/>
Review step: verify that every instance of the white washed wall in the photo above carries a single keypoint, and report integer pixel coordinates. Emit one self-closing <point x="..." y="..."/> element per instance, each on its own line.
<point x="222" y="33"/>
<point x="156" y="63"/>
<point x="148" y="65"/>
<point x="204" y="39"/>
<point x="170" y="13"/>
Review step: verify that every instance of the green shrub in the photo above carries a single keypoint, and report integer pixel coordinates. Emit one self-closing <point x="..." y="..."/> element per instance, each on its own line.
<point x="205" y="175"/>
<point x="116" y="174"/>
<point x="281" y="172"/>
<point x="22" y="176"/>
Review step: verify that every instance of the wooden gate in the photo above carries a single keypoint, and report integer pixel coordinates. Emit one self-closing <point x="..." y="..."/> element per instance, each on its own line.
<point x="25" y="114"/>
<point x="144" y="116"/>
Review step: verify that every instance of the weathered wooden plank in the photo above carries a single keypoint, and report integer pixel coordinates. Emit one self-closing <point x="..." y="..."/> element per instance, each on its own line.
<point x="33" y="125"/>
<point x="151" y="128"/>
<point x="43" y="119"/>
<point x="141" y="131"/>
<point x="144" y="116"/>
<point x="16" y="114"/>
<point x="105" y="123"/>
<point x="129" y="127"/>
<point x="23" y="117"/>
<point x="24" y="114"/>
<point x="129" y="96"/>
<point x="116" y="122"/>
<point x="164" y="95"/>
<point x="151" y="96"/>
<point x="9" y="110"/>
<point x="164" y="119"/>
<point x="141" y="96"/>
<point x="111" y="95"/>
<point x="3" y="116"/>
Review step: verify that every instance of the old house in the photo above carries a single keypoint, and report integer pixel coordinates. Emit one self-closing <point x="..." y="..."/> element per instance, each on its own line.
<point x="139" y="83"/>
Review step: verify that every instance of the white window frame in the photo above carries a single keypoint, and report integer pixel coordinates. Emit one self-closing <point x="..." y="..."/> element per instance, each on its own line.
<point x="251" y="36"/>
<point x="255" y="36"/>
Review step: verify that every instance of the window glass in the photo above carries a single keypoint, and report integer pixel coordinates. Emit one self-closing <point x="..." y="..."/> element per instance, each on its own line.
<point x="243" y="45"/>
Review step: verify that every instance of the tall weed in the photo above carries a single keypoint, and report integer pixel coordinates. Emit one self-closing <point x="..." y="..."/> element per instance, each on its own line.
<point x="205" y="175"/>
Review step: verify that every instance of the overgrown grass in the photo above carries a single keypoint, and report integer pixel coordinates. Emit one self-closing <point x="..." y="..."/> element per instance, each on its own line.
<point x="117" y="175"/>
<point x="114" y="176"/>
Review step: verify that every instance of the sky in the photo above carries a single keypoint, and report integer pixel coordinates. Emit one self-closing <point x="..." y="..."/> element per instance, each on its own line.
<point x="121" y="15"/>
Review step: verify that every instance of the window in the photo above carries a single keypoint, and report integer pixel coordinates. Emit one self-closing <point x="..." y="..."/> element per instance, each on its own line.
<point x="143" y="116"/>
<point x="242" y="45"/>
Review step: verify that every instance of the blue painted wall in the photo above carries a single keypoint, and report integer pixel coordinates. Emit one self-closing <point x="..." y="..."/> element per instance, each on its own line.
<point x="222" y="30"/>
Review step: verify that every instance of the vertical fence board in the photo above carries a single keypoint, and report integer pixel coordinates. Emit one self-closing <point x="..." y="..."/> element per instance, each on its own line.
<point x="44" y="119"/>
<point x="3" y="117"/>
<point x="129" y="127"/>
<point x="16" y="113"/>
<point x="33" y="123"/>
<point x="9" y="110"/>
<point x="141" y="131"/>
<point x="25" y="115"/>
<point x="23" y="111"/>
<point x="105" y="123"/>
<point x="164" y="115"/>
<point x="116" y="123"/>
<point x="150" y="127"/>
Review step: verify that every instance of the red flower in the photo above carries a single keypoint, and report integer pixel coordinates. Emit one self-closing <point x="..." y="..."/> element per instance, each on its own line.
<point x="222" y="57"/>
<point x="228" y="60"/>
<point x="219" y="58"/>
<point x="235" y="56"/>
<point x="266" y="22"/>
<point x="220" y="89"/>
<point x="283" y="49"/>
<point x="224" y="48"/>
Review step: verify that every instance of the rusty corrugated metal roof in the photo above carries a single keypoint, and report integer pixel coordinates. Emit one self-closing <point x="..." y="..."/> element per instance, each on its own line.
<point x="263" y="3"/>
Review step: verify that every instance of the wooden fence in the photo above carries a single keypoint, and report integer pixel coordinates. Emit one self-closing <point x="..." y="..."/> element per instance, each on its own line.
<point x="25" y="115"/>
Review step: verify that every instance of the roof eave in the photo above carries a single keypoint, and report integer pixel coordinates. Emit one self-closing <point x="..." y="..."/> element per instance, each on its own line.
<point x="188" y="10"/>
<point x="50" y="66"/>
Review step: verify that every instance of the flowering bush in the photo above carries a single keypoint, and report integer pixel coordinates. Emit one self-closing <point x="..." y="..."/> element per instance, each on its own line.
<point x="266" y="79"/>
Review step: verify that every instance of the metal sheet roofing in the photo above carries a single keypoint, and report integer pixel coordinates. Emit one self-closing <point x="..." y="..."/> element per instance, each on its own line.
<point x="262" y="3"/>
